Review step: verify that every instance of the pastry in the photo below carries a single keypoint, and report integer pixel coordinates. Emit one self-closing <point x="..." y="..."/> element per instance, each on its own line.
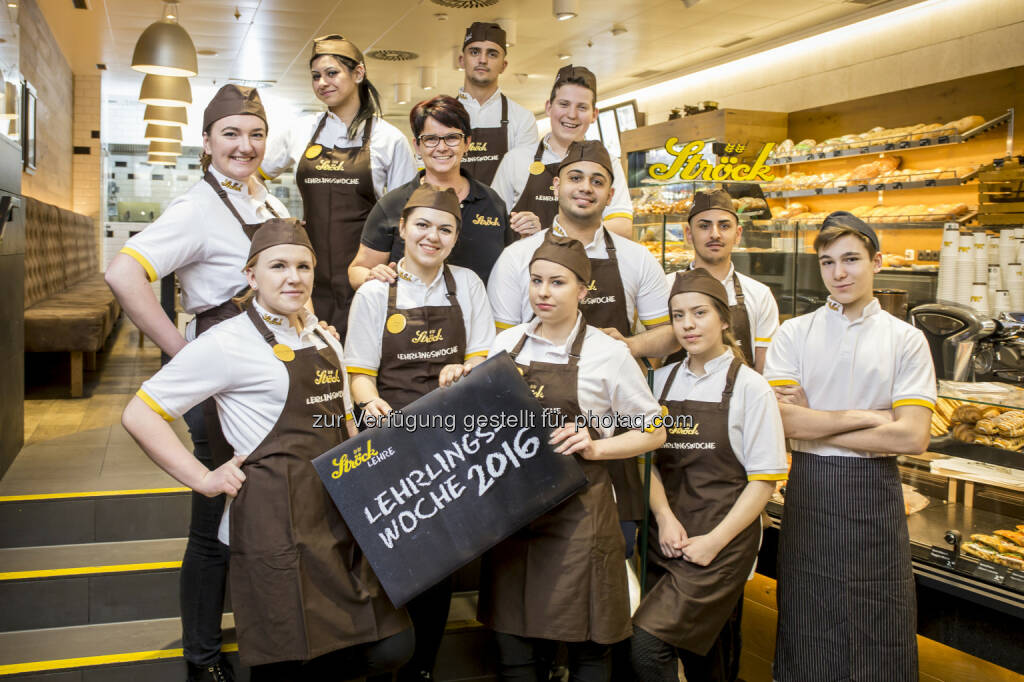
<point x="966" y="414"/>
<point x="1013" y="536"/>
<point x="963" y="433"/>
<point x="967" y="123"/>
<point x="995" y="542"/>
<point x="990" y="412"/>
<point x="1010" y="560"/>
<point x="978" y="550"/>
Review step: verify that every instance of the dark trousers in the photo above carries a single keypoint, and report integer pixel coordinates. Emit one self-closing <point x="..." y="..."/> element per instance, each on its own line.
<point x="350" y="663"/>
<point x="429" y="614"/>
<point x="205" y="565"/>
<point x="526" y="659"/>
<point x="656" y="661"/>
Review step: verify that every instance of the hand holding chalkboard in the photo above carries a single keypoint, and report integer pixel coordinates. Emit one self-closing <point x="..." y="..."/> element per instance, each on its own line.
<point x="448" y="477"/>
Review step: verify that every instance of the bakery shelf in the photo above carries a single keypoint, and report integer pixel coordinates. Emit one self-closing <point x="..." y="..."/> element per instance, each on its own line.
<point x="995" y="393"/>
<point x="946" y="136"/>
<point x="947" y="445"/>
<point x="857" y="187"/>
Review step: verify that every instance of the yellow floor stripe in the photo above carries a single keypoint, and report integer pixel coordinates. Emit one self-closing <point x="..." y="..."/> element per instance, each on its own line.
<point x="83" y="570"/>
<point x="87" y="661"/>
<point x="92" y="493"/>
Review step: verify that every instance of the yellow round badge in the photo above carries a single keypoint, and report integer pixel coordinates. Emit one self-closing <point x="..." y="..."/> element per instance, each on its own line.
<point x="536" y="168"/>
<point x="284" y="353"/>
<point x="396" y="323"/>
<point x="313" y="151"/>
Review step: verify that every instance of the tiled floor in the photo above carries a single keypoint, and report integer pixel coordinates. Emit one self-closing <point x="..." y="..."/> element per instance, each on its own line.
<point x="78" y="445"/>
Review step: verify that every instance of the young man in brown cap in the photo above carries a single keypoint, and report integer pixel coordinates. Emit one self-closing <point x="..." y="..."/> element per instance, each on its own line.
<point x="499" y="124"/>
<point x="525" y="178"/>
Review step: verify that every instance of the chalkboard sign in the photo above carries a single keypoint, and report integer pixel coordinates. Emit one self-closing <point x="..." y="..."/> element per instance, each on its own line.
<point x="449" y="477"/>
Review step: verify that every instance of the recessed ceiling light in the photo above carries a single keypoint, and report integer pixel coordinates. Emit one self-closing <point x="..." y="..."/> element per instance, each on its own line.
<point x="564" y="55"/>
<point x="564" y="9"/>
<point x="206" y="53"/>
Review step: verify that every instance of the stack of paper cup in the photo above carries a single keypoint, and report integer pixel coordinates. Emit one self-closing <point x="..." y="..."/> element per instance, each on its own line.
<point x="1007" y="250"/>
<point x="979" y="298"/>
<point x="1014" y="279"/>
<point x="980" y="257"/>
<point x="964" y="272"/>
<point x="947" y="262"/>
<point x="1018" y="238"/>
<point x="995" y="282"/>
<point x="1001" y="303"/>
<point x="993" y="249"/>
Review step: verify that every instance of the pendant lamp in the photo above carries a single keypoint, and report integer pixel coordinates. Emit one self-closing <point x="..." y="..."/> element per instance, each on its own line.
<point x="162" y="160"/>
<point x="168" y="91"/>
<point x="165" y="48"/>
<point x="162" y="133"/>
<point x="168" y="116"/>
<point x="165" y="148"/>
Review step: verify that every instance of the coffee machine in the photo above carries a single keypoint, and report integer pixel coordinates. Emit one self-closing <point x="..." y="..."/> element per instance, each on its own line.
<point x="967" y="346"/>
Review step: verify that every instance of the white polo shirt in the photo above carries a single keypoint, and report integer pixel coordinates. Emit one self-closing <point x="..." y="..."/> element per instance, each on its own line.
<point x="762" y="310"/>
<point x="198" y="238"/>
<point x="643" y="280"/>
<point x="514" y="172"/>
<point x="608" y="382"/>
<point x="392" y="163"/>
<point x="755" y="426"/>
<point x="235" y="365"/>
<point x="522" y="125"/>
<point x="875" y="362"/>
<point x="369" y="313"/>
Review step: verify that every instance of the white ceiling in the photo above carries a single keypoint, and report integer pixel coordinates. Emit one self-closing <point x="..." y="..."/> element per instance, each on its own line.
<point x="271" y="39"/>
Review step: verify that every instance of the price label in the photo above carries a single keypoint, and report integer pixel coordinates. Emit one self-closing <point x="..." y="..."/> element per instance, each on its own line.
<point x="865" y="150"/>
<point x="904" y="144"/>
<point x="926" y="142"/>
<point x="943" y="139"/>
<point x="822" y="155"/>
<point x="990" y="572"/>
<point x="942" y="555"/>
<point x="1015" y="581"/>
<point x="889" y="146"/>
<point x="862" y="188"/>
<point x="843" y="189"/>
<point x="836" y="153"/>
<point x="809" y="157"/>
<point x="897" y="185"/>
<point x="879" y="187"/>
<point x="930" y="182"/>
<point x="819" y="191"/>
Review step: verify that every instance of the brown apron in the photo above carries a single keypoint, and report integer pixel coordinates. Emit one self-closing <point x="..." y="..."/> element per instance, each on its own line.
<point x="563" y="576"/>
<point x="488" y="147"/>
<point x="300" y="585"/>
<point x="417" y="344"/>
<point x="740" y="326"/>
<point x="336" y="185"/>
<point x="220" y="450"/>
<point x="689" y="604"/>
<point x="539" y="194"/>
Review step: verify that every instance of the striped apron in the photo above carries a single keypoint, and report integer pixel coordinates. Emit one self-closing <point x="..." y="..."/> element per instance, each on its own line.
<point x="847" y="606"/>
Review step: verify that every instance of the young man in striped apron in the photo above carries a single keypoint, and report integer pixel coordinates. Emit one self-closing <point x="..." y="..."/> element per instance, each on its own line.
<point x="856" y="387"/>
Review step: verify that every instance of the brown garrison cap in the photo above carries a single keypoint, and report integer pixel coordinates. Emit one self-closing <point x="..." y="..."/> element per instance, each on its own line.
<point x="481" y="31"/>
<point x="231" y="100"/>
<point x="847" y="219"/>
<point x="580" y="73"/>
<point x="277" y="231"/>
<point x="588" y="150"/>
<point x="432" y="196"/>
<point x="336" y="45"/>
<point x="705" y="201"/>
<point x="701" y="281"/>
<point x="564" y="251"/>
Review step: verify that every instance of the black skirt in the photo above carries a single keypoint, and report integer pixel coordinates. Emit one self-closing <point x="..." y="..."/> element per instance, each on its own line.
<point x="847" y="607"/>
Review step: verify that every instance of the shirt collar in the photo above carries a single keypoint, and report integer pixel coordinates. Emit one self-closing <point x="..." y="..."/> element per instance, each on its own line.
<point x="557" y="230"/>
<point x="476" y="188"/>
<point x="712" y="366"/>
<point x="564" y="348"/>
<point x="230" y="185"/>
<point x="334" y="119"/>
<point x="279" y="324"/>
<point x="732" y="271"/>
<point x="466" y="96"/>
<point x="413" y="279"/>
<point x="870" y="309"/>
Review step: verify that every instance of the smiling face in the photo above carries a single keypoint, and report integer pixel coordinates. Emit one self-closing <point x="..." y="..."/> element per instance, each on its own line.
<point x="571" y="111"/>
<point x="583" y="190"/>
<point x="282" y="278"/>
<point x="714" y="233"/>
<point x="848" y="271"/>
<point x="236" y="145"/>
<point x="555" y="292"/>
<point x="429" y="235"/>
<point x="697" y="323"/>
<point x="333" y="83"/>
<point x="442" y="158"/>
<point x="483" y="61"/>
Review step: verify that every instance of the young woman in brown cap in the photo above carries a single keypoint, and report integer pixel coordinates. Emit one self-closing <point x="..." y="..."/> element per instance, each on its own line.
<point x="712" y="479"/>
<point x="305" y="608"/>
<point x="562" y="578"/>
<point x="348" y="157"/>
<point x="203" y="236"/>
<point x="427" y="328"/>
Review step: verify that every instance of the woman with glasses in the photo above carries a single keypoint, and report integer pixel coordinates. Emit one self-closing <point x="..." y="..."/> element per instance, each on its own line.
<point x="347" y="158"/>
<point x="442" y="135"/>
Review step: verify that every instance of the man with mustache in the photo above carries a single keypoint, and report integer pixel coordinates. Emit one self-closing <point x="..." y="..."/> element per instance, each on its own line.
<point x="499" y="124"/>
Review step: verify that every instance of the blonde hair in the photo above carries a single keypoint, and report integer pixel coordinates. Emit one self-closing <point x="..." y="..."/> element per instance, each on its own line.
<point x="243" y="300"/>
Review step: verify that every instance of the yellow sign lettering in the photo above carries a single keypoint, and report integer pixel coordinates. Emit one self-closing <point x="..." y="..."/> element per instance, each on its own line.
<point x="688" y="164"/>
<point x="431" y="336"/>
<point x="347" y="463"/>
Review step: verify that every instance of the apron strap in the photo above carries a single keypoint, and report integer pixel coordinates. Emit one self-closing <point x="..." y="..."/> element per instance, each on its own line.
<point x="318" y="129"/>
<point x="260" y="325"/>
<point x="367" y="128"/>
<point x="540" y="151"/>
<point x="518" y="348"/>
<point x="504" y="114"/>
<point x="449" y="283"/>
<point x="249" y="230"/>
<point x="671" y="380"/>
<point x="393" y="294"/>
<point x="736" y="287"/>
<point x="730" y="378"/>
<point x="577" y="343"/>
<point x="608" y="245"/>
<point x="327" y="352"/>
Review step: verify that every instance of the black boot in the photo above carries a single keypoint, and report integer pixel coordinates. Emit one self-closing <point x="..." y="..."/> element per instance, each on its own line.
<point x="218" y="671"/>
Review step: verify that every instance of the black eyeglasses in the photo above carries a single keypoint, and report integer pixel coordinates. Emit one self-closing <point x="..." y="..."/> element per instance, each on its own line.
<point x="451" y="139"/>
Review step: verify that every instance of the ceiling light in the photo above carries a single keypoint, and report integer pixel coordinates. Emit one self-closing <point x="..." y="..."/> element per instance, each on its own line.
<point x="618" y="30"/>
<point x="158" y="159"/>
<point x="165" y="48"/>
<point x="402" y="93"/>
<point x="163" y="133"/>
<point x="564" y="9"/>
<point x="511" y="30"/>
<point x="165" y="148"/>
<point x="168" y="91"/>
<point x="428" y="77"/>
<point x="205" y="52"/>
<point x="168" y="116"/>
<point x="564" y="55"/>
